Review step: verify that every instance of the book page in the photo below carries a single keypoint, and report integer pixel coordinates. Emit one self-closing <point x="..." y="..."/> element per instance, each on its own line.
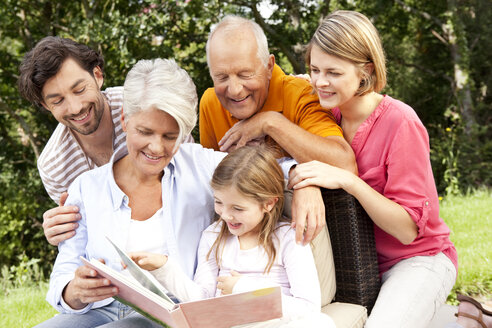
<point x="131" y="293"/>
<point x="118" y="279"/>
<point x="139" y="274"/>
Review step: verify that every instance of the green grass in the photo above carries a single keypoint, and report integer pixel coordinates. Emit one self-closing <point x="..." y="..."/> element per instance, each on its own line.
<point x="469" y="218"/>
<point x="25" y="307"/>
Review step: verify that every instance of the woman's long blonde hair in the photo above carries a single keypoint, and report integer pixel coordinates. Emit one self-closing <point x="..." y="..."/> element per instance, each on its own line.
<point x="256" y="174"/>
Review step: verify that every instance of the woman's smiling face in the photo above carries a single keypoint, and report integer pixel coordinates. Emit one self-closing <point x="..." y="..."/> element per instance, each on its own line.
<point x="150" y="138"/>
<point x="335" y="80"/>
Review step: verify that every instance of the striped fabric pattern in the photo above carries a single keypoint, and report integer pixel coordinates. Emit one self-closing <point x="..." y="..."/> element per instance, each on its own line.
<point x="63" y="159"/>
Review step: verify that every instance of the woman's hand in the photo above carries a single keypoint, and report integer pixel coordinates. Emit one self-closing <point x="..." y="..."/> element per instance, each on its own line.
<point x="226" y="283"/>
<point x="148" y="261"/>
<point x="87" y="287"/>
<point x="386" y="214"/>
<point x="320" y="174"/>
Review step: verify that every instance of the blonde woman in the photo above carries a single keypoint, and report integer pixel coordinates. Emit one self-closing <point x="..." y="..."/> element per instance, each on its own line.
<point x="417" y="260"/>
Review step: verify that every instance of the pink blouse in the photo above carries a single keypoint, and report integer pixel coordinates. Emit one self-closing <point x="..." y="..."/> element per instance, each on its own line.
<point x="392" y="152"/>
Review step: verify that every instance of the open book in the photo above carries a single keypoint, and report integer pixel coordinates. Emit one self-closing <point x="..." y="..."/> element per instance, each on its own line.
<point x="149" y="299"/>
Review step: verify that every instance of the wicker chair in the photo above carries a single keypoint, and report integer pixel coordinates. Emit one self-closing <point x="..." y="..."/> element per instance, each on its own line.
<point x="354" y="251"/>
<point x="354" y="261"/>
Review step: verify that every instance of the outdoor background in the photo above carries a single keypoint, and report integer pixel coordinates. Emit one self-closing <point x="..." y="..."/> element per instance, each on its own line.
<point x="439" y="62"/>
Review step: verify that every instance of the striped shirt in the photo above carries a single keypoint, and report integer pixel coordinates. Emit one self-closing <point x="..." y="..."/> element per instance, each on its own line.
<point x="63" y="159"/>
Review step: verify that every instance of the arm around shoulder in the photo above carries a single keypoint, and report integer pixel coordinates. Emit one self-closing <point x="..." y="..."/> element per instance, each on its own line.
<point x="305" y="146"/>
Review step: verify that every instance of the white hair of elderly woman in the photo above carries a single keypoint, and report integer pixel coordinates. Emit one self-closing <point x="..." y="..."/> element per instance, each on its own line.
<point x="161" y="84"/>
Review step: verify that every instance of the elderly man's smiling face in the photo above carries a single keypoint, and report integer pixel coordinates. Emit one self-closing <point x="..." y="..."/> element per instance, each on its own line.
<point x="241" y="79"/>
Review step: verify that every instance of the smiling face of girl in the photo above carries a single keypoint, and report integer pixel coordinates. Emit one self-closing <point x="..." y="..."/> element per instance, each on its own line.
<point x="242" y="214"/>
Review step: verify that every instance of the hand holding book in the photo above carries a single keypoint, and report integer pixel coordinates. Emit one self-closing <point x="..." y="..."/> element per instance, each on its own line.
<point x="87" y="287"/>
<point x="219" y="312"/>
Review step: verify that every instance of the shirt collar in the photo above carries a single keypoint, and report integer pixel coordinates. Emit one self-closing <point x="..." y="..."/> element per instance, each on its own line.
<point x="117" y="195"/>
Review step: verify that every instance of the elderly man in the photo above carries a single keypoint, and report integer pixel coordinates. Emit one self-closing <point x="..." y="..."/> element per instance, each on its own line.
<point x="252" y="98"/>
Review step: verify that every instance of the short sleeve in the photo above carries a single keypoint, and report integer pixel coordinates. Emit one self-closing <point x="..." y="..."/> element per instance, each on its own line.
<point x="208" y="139"/>
<point x="51" y="187"/>
<point x="312" y="117"/>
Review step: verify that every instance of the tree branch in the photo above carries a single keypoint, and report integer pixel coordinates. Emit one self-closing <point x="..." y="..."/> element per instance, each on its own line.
<point x="401" y="61"/>
<point x="427" y="16"/>
<point x="439" y="37"/>
<point x="271" y="32"/>
<point x="419" y="12"/>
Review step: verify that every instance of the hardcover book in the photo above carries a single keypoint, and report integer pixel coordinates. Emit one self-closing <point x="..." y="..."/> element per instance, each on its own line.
<point x="150" y="299"/>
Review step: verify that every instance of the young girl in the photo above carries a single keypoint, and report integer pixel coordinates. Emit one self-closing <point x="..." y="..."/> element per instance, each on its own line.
<point x="249" y="246"/>
<point x="395" y="185"/>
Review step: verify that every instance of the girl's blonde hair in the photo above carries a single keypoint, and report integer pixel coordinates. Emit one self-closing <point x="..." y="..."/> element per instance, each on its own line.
<point x="351" y="36"/>
<point x="256" y="174"/>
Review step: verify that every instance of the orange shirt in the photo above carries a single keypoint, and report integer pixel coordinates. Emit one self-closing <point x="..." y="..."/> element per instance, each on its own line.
<point x="288" y="95"/>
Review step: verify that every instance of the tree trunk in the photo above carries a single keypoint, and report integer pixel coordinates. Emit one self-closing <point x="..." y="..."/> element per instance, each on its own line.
<point x="455" y="39"/>
<point x="460" y="53"/>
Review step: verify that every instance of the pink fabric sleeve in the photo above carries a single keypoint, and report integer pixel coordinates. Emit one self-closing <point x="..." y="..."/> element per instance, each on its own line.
<point x="409" y="172"/>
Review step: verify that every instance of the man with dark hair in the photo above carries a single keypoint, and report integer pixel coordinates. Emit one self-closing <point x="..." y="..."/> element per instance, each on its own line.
<point x="65" y="77"/>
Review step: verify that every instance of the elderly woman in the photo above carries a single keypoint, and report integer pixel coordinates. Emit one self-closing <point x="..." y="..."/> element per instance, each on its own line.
<point x="154" y="195"/>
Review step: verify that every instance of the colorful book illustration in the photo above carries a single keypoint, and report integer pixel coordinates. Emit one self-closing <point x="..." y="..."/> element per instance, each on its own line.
<point x="150" y="300"/>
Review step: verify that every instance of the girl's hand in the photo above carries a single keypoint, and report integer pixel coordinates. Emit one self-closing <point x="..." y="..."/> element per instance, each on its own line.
<point x="226" y="283"/>
<point x="319" y="174"/>
<point x="148" y="261"/>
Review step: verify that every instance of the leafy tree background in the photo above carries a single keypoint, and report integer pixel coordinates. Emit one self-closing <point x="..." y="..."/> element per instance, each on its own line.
<point x="438" y="62"/>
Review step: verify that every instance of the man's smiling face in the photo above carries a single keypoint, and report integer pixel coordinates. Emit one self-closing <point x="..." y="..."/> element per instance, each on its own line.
<point x="241" y="79"/>
<point x="74" y="97"/>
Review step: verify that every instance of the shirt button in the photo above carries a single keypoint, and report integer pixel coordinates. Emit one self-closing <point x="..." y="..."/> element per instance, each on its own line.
<point x="426" y="203"/>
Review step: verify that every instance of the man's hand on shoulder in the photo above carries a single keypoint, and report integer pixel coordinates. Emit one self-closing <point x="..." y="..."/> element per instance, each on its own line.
<point x="59" y="223"/>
